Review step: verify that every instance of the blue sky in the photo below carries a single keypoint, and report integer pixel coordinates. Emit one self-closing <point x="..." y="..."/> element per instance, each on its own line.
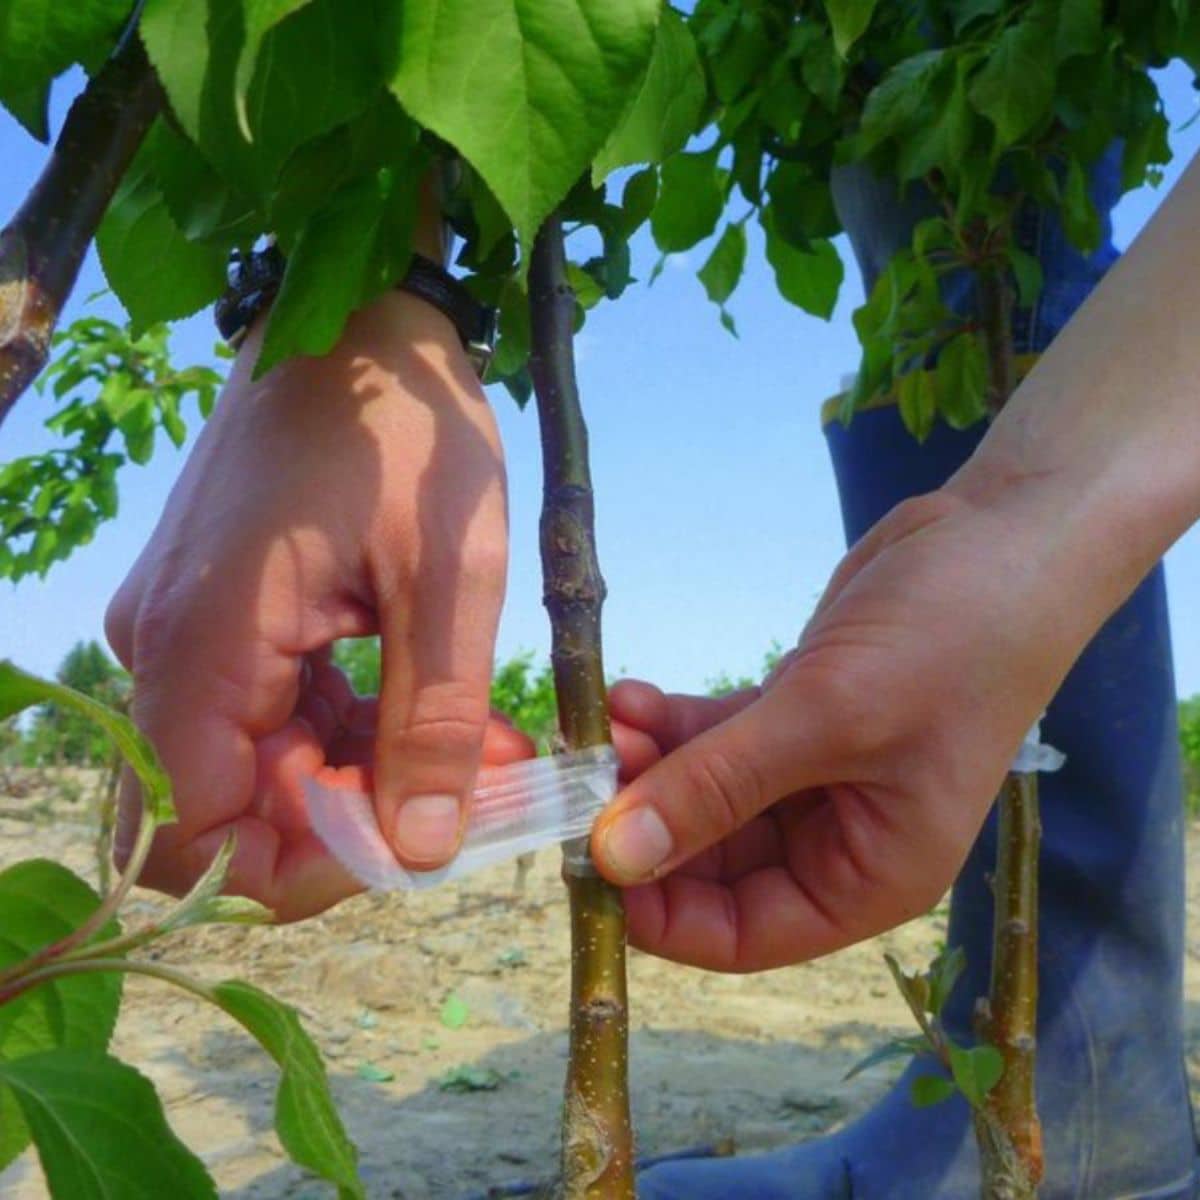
<point x="716" y="514"/>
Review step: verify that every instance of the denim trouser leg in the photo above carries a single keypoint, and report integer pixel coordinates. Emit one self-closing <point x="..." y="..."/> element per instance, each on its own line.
<point x="1111" y="1085"/>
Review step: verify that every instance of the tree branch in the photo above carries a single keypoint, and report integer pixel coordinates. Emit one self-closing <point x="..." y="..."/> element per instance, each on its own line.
<point x="1007" y="1128"/>
<point x="42" y="248"/>
<point x="597" y="1149"/>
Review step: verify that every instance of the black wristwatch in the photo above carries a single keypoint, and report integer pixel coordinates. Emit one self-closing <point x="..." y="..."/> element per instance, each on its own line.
<point x="254" y="279"/>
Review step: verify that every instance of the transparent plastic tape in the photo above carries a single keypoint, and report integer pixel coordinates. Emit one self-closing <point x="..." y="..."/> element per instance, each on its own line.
<point x="516" y="809"/>
<point x="1035" y="755"/>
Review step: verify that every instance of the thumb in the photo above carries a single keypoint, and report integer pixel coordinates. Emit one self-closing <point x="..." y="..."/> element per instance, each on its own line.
<point x="713" y="784"/>
<point x="433" y="719"/>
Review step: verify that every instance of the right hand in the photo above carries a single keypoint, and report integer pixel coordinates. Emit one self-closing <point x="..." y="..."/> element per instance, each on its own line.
<point x="359" y="493"/>
<point x="840" y="799"/>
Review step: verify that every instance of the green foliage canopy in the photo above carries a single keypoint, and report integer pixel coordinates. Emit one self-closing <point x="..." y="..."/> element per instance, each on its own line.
<point x="619" y="114"/>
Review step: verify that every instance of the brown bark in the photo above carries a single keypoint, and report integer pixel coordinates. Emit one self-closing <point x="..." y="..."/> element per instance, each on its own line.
<point x="1008" y="1129"/>
<point x="597" y="1145"/>
<point x="42" y="248"/>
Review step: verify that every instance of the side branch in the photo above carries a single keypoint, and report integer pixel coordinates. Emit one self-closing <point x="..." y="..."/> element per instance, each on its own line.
<point x="42" y="248"/>
<point x="597" y="1144"/>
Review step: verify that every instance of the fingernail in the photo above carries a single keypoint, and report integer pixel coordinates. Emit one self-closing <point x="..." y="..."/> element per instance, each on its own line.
<point x="426" y="828"/>
<point x="636" y="844"/>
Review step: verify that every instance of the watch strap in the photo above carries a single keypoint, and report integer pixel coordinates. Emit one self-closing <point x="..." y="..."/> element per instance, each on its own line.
<point x="475" y="322"/>
<point x="254" y="280"/>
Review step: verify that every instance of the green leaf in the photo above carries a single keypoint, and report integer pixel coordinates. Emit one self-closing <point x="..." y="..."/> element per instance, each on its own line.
<point x="823" y="69"/>
<point x="737" y="67"/>
<point x="470" y="1079"/>
<point x="1015" y="87"/>
<point x="196" y="47"/>
<point x="157" y="274"/>
<point x="531" y="113"/>
<point x="1027" y="271"/>
<point x="801" y="204"/>
<point x="306" y="1120"/>
<point x="723" y="270"/>
<point x="976" y="1071"/>
<point x="944" y="972"/>
<point x="19" y="691"/>
<point x="260" y="17"/>
<point x="100" y="1130"/>
<point x="374" y="1074"/>
<point x="1081" y="221"/>
<point x="666" y="109"/>
<point x="1080" y="28"/>
<point x="347" y="254"/>
<point x="42" y="903"/>
<point x="928" y="1090"/>
<point x="31" y="106"/>
<point x="1146" y="148"/>
<point x="203" y="905"/>
<point x="849" y="19"/>
<point x="202" y="205"/>
<point x="895" y="102"/>
<point x="944" y="139"/>
<point x="918" y="402"/>
<point x="690" y="199"/>
<point x="512" y="345"/>
<point x="638" y="198"/>
<point x="454" y="1013"/>
<point x="914" y="989"/>
<point x="961" y="381"/>
<point x="810" y="279"/>
<point x="967" y="11"/>
<point x="39" y="39"/>
<point x="900" y="1048"/>
<point x="382" y="137"/>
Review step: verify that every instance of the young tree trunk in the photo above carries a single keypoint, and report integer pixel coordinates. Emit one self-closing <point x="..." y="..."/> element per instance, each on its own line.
<point x="597" y="1145"/>
<point x="1007" y="1128"/>
<point x="43" y="246"/>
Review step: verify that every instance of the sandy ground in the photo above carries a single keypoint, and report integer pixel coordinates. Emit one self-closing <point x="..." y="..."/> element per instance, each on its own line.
<point x="759" y="1058"/>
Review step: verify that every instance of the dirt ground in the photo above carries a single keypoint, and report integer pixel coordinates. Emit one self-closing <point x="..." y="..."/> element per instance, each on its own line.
<point x="759" y="1058"/>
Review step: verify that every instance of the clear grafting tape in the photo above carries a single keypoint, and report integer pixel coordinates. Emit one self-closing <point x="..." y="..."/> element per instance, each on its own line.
<point x="518" y="808"/>
<point x="1035" y="755"/>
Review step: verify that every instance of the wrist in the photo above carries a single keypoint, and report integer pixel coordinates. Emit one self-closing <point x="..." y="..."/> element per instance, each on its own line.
<point x="1082" y="535"/>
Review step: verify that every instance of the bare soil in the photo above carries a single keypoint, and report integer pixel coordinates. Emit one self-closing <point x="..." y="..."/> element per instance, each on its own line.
<point x="759" y="1059"/>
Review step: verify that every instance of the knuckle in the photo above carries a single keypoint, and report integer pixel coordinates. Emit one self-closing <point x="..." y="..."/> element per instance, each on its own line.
<point x="156" y="628"/>
<point x="728" y="789"/>
<point x="486" y="559"/>
<point x="119" y="621"/>
<point x="448" y="720"/>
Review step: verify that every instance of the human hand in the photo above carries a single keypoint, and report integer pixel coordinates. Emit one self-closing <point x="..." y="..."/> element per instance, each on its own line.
<point x="841" y="798"/>
<point x="357" y="493"/>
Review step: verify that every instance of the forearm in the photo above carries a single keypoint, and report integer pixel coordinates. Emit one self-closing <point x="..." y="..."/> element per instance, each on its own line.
<point x="1099" y="445"/>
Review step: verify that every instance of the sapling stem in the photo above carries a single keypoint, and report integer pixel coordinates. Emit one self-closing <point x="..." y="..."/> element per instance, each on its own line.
<point x="42" y="248"/>
<point x="1007" y="1127"/>
<point x="597" y="1143"/>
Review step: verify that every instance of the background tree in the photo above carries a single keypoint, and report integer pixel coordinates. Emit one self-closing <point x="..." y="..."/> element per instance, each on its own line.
<point x="61" y="736"/>
<point x="1189" y="739"/>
